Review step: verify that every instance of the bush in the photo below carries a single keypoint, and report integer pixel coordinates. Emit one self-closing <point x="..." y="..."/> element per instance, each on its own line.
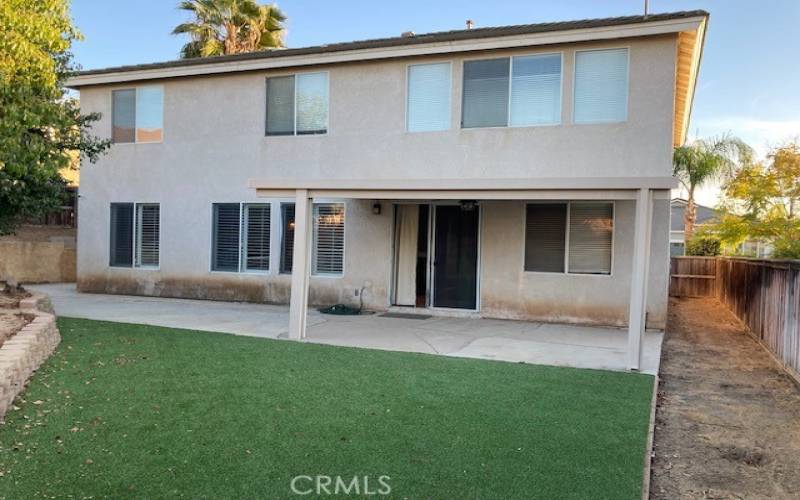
<point x="706" y="246"/>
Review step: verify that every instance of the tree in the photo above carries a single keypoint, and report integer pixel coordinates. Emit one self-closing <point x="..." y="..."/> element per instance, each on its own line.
<point x="762" y="201"/>
<point x="230" y="27"/>
<point x="703" y="161"/>
<point x="41" y="127"/>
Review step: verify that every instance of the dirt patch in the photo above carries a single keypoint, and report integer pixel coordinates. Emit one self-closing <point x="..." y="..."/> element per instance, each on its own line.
<point x="728" y="418"/>
<point x="9" y="299"/>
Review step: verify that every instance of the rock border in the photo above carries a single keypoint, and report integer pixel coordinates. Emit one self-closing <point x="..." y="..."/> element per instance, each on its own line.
<point x="22" y="354"/>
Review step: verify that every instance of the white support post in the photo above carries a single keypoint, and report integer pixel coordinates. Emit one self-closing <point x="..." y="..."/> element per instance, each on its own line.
<point x="639" y="277"/>
<point x="298" y="304"/>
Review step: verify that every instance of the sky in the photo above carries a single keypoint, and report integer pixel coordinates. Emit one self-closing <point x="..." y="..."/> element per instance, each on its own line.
<point x="749" y="82"/>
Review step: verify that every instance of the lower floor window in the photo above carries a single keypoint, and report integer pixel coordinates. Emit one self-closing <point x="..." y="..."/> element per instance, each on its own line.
<point x="328" y="249"/>
<point x="241" y="237"/>
<point x="135" y="235"/>
<point x="576" y="237"/>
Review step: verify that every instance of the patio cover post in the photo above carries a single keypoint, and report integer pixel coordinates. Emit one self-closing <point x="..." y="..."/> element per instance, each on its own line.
<point x="298" y="304"/>
<point x="639" y="274"/>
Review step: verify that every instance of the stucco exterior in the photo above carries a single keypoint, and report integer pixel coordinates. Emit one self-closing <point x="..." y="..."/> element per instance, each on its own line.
<point x="214" y="142"/>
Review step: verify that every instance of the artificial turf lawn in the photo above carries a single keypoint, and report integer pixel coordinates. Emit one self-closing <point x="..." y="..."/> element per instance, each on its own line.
<point x="139" y="411"/>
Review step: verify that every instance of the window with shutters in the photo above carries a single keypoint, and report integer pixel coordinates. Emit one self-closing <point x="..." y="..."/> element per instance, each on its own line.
<point x="137" y="115"/>
<point x="328" y="249"/>
<point x="241" y="237"/>
<point x="135" y="235"/>
<point x="297" y="104"/>
<point x="147" y="234"/>
<point x="601" y="86"/>
<point x="518" y="91"/>
<point x="255" y="244"/>
<point x="287" y="237"/>
<point x="575" y="237"/>
<point x="428" y="97"/>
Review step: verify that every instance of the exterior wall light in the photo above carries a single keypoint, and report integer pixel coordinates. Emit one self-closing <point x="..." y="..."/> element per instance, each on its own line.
<point x="376" y="208"/>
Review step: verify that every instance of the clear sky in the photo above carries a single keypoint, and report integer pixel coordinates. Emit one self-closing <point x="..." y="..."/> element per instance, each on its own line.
<point x="749" y="81"/>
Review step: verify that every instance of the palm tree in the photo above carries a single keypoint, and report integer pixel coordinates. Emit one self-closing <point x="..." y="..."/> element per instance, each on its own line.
<point x="230" y="27"/>
<point x="703" y="161"/>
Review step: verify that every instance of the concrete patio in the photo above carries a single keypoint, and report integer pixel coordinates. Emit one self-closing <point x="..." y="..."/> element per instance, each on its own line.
<point x="514" y="341"/>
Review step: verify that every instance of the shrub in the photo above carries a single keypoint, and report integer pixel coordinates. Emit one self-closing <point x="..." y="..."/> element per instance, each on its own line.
<point x="706" y="246"/>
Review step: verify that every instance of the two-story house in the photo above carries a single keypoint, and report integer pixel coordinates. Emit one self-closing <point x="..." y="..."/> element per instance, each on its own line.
<point x="518" y="172"/>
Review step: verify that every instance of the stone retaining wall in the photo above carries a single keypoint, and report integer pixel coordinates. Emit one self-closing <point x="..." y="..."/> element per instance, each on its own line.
<point x="24" y="352"/>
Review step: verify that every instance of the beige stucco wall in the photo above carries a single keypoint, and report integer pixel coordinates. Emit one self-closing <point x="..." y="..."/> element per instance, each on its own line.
<point x="507" y="291"/>
<point x="214" y="143"/>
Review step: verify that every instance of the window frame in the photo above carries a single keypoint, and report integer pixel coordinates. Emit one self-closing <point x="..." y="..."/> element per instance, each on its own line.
<point x="241" y="267"/>
<point x="294" y="133"/>
<point x="134" y="239"/>
<point x="449" y="97"/>
<point x="136" y="140"/>
<point x="313" y="272"/>
<point x="282" y="235"/>
<point x="627" y="48"/>
<point x="560" y="121"/>
<point x="568" y="221"/>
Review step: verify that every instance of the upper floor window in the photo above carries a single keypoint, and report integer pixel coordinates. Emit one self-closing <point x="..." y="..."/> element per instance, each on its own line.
<point x="297" y="104"/>
<point x="428" y="98"/>
<point x="601" y="86"/>
<point x="516" y="91"/>
<point x="138" y="114"/>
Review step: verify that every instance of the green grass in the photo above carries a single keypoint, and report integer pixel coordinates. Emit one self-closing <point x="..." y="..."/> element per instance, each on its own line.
<point x="139" y="411"/>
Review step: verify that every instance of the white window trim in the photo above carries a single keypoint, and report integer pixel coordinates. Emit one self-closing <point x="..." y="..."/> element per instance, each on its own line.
<point x="560" y="121"/>
<point x="135" y="132"/>
<point x="294" y="111"/>
<point x="314" y="273"/>
<point x="627" y="88"/>
<point x="135" y="227"/>
<point x="449" y="98"/>
<point x="569" y="203"/>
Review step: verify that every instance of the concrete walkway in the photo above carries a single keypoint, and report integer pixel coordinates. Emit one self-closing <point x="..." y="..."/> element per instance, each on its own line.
<point x="516" y="341"/>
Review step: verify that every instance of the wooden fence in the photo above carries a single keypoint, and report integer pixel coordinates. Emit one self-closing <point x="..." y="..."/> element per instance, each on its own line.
<point x="692" y="276"/>
<point x="763" y="294"/>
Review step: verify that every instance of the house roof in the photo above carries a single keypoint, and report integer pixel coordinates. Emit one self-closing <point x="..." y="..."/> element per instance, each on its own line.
<point x="678" y="206"/>
<point x="689" y="25"/>
<point x="399" y="41"/>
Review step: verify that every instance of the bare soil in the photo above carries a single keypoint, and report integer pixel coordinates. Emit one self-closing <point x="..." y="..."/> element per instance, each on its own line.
<point x="728" y="418"/>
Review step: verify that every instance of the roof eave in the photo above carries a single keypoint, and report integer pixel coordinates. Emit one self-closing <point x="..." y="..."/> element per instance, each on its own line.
<point x="158" y="72"/>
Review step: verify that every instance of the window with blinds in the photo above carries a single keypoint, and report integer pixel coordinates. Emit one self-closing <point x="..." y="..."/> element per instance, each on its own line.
<point x="287" y="237"/>
<point x="137" y="115"/>
<point x="297" y="104"/>
<point x="601" y="86"/>
<point x="256" y="242"/>
<point x="428" y="97"/>
<point x="121" y="247"/>
<point x="536" y="90"/>
<point x="545" y="237"/>
<point x="241" y="237"/>
<point x="591" y="229"/>
<point x="147" y="234"/>
<point x="135" y="235"/>
<point x="328" y="249"/>
<point x="226" y="241"/>
<point x="518" y="91"/>
<point x="576" y="237"/>
<point x="485" y="93"/>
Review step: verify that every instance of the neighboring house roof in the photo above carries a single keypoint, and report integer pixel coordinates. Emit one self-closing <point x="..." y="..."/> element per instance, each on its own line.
<point x="689" y="25"/>
<point x="678" y="206"/>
